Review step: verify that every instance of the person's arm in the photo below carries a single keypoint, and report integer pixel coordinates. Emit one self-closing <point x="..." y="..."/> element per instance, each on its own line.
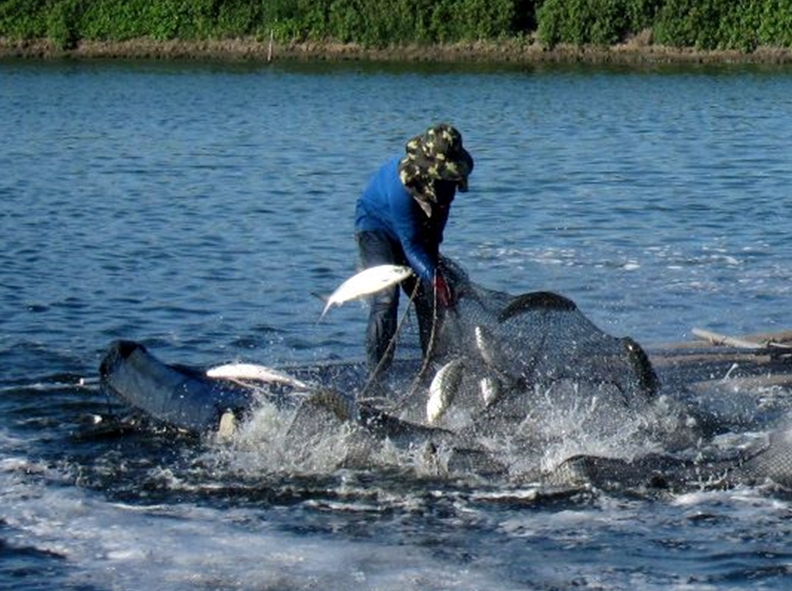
<point x="406" y="224"/>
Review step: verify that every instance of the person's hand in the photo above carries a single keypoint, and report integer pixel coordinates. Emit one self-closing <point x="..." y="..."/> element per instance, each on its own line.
<point x="443" y="293"/>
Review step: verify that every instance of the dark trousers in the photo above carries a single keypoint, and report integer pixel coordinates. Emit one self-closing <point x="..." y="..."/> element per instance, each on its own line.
<point x="375" y="248"/>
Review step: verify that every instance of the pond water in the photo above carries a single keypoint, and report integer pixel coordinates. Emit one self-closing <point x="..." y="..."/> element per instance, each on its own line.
<point x="198" y="207"/>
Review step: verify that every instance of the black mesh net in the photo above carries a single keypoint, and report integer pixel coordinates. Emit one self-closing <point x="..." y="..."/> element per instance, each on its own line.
<point x="502" y="364"/>
<point x="520" y="386"/>
<point x="494" y="352"/>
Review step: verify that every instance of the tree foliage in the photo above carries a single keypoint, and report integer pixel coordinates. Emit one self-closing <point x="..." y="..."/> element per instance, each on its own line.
<point x="595" y="22"/>
<point x="703" y="24"/>
<point x="700" y="24"/>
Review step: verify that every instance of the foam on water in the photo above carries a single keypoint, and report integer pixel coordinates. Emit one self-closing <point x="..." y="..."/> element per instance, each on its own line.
<point x="176" y="544"/>
<point x="184" y="546"/>
<point x="262" y="444"/>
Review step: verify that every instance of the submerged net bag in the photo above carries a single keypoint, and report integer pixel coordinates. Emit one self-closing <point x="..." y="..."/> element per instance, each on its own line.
<point x="496" y="352"/>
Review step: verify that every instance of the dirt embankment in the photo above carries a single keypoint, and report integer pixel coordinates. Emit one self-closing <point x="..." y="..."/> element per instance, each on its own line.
<point x="634" y="52"/>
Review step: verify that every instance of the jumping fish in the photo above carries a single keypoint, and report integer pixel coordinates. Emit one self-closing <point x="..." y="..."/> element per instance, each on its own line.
<point x="443" y="389"/>
<point x="251" y="371"/>
<point x="367" y="282"/>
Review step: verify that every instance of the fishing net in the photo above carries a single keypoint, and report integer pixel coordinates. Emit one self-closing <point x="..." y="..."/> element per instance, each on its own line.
<point x="523" y="386"/>
<point x="495" y="353"/>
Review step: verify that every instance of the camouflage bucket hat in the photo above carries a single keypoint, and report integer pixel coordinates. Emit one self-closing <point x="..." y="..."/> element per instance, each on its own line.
<point x="436" y="154"/>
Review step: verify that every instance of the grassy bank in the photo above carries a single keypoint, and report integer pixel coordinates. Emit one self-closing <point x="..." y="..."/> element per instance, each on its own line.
<point x="250" y="49"/>
<point x="492" y="30"/>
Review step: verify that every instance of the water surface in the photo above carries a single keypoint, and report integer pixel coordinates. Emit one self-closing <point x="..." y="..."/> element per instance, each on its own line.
<point x="196" y="207"/>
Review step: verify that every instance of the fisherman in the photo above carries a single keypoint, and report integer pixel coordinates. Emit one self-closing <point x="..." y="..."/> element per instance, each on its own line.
<point x="399" y="220"/>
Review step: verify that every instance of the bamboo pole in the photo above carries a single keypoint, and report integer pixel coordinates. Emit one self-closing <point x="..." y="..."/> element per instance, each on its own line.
<point x="719" y="339"/>
<point x="737" y="342"/>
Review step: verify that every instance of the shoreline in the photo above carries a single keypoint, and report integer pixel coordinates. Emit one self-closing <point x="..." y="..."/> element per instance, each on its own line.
<point x="507" y="52"/>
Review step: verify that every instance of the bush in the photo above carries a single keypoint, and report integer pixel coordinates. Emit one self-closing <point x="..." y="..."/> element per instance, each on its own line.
<point x="596" y="22"/>
<point x="703" y="24"/>
<point x="23" y="19"/>
<point x="473" y="20"/>
<point x="725" y="24"/>
<point x="385" y="22"/>
<point x="63" y="23"/>
<point x="771" y="22"/>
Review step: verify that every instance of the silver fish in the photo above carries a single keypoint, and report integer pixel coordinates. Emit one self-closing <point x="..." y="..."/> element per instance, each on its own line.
<point x="251" y="371"/>
<point x="367" y="282"/>
<point x="443" y="389"/>
<point x="489" y="350"/>
<point x="227" y="427"/>
<point x="491" y="389"/>
<point x="498" y="363"/>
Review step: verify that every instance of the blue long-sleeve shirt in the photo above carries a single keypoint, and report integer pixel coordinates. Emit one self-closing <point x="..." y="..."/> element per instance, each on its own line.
<point x="385" y="205"/>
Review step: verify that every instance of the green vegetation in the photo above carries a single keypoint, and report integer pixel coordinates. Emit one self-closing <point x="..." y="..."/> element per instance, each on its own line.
<point x="700" y="24"/>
